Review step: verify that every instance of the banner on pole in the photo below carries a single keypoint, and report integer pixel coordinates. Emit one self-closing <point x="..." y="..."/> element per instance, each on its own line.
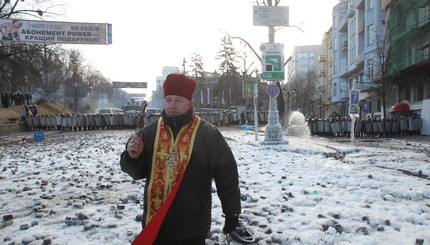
<point x="55" y="32"/>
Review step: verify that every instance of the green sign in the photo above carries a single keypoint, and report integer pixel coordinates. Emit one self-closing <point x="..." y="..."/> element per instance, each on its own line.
<point x="248" y="89"/>
<point x="273" y="66"/>
<point x="273" y="76"/>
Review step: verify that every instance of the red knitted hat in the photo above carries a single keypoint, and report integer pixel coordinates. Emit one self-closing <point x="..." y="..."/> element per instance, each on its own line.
<point x="178" y="84"/>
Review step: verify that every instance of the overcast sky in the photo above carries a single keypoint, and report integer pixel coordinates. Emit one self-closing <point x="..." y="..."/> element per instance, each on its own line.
<point x="148" y="35"/>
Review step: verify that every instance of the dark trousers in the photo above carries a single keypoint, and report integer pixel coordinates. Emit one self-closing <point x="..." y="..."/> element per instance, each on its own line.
<point x="191" y="241"/>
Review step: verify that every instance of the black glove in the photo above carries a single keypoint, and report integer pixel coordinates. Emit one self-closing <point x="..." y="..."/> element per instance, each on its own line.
<point x="231" y="222"/>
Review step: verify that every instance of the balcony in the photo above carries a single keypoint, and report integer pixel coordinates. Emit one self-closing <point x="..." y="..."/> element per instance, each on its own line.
<point x="321" y="73"/>
<point x="322" y="58"/>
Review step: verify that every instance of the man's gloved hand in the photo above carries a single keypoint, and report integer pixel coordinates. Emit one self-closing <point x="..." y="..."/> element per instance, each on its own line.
<point x="231" y="222"/>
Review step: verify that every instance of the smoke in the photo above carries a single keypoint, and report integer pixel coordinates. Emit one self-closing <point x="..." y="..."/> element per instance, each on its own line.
<point x="297" y="125"/>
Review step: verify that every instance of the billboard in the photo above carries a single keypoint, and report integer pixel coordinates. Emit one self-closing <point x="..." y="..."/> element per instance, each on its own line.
<point x="129" y="85"/>
<point x="55" y="32"/>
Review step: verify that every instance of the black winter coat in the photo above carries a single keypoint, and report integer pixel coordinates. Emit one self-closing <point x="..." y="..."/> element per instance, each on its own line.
<point x="190" y="213"/>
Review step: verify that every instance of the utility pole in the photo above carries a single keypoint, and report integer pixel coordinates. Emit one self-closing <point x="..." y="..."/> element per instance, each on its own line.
<point x="273" y="65"/>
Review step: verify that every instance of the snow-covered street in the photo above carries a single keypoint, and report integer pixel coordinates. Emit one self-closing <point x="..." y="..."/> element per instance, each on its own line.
<point x="69" y="189"/>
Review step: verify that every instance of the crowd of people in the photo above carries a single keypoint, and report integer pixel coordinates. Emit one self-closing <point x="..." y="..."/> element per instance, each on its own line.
<point x="371" y="127"/>
<point x="17" y="98"/>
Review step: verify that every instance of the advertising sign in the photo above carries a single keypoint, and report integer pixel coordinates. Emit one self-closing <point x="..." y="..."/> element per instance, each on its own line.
<point x="129" y="85"/>
<point x="270" y="15"/>
<point x="248" y="89"/>
<point x="273" y="66"/>
<point x="55" y="32"/>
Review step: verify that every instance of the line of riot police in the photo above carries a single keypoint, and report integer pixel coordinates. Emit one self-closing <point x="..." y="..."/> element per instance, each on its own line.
<point x="106" y="121"/>
<point x="370" y="127"/>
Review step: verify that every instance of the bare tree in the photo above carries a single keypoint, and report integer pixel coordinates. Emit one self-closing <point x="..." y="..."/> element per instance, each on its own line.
<point x="92" y="78"/>
<point x="76" y="67"/>
<point x="305" y="90"/>
<point x="376" y="72"/>
<point x="28" y="9"/>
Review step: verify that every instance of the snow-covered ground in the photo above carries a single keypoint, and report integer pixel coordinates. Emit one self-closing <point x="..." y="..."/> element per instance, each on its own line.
<point x="69" y="189"/>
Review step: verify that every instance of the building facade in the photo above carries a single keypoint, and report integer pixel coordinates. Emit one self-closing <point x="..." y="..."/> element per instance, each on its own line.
<point x="158" y="94"/>
<point x="408" y="59"/>
<point x="305" y="77"/>
<point x="357" y="37"/>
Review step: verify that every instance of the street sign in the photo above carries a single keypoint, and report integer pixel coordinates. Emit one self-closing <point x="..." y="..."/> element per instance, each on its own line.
<point x="270" y="15"/>
<point x="272" y="47"/>
<point x="366" y="107"/>
<point x="273" y="90"/>
<point x="354" y="95"/>
<point x="273" y="66"/>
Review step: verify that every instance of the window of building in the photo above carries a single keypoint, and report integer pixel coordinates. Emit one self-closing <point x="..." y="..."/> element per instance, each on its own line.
<point x="423" y="15"/>
<point x="420" y="95"/>
<point x="302" y="62"/>
<point x="428" y="88"/>
<point x="371" y="34"/>
<point x="352" y="27"/>
<point x="302" y="55"/>
<point x="408" y="93"/>
<point x="371" y="4"/>
<point x="352" y="54"/>
<point x="423" y="51"/>
<point x="410" y="20"/>
<point x="334" y="89"/>
<point x="378" y="109"/>
<point x="370" y="68"/>
<point x="335" y="44"/>
<point x="335" y="18"/>
<point x="302" y="69"/>
<point x="410" y="55"/>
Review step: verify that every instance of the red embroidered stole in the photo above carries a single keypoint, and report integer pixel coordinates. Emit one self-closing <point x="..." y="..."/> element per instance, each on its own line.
<point x="169" y="162"/>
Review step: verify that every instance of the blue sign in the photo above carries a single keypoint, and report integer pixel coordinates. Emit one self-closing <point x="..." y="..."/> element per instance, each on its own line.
<point x="354" y="95"/>
<point x="273" y="90"/>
